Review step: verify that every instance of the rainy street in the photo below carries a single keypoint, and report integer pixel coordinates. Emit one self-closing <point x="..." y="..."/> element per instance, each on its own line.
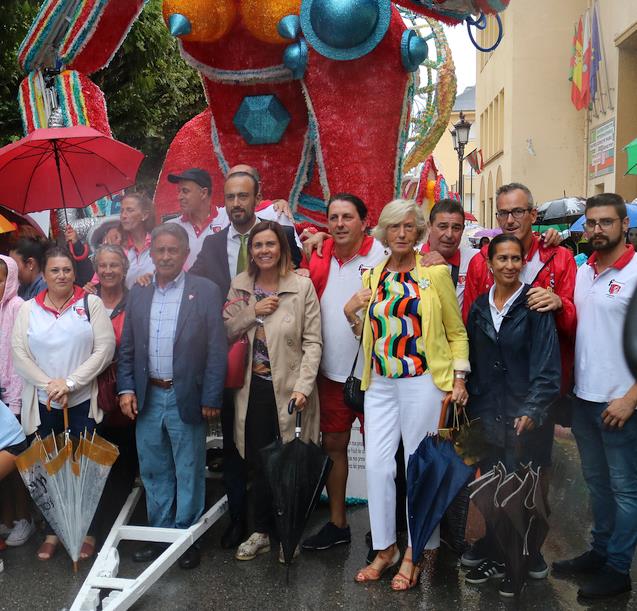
<point x="321" y="580"/>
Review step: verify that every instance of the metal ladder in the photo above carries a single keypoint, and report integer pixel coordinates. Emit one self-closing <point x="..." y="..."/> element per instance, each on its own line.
<point x="125" y="592"/>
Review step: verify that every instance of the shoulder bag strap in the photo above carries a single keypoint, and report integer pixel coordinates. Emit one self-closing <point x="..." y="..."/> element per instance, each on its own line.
<point x="542" y="269"/>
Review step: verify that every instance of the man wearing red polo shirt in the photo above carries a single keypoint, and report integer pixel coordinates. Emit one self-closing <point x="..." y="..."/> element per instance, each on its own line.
<point x="446" y="221"/>
<point x="604" y="421"/>
<point x="550" y="270"/>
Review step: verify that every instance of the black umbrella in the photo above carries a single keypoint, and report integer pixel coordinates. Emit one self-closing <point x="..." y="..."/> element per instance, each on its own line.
<point x="563" y="209"/>
<point x="435" y="476"/>
<point x="296" y="472"/>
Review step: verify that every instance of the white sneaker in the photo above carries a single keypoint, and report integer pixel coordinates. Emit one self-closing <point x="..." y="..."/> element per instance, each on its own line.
<point x="257" y="543"/>
<point x="20" y="533"/>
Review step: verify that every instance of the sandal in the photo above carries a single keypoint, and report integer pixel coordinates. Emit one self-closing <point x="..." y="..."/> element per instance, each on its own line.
<point x="47" y="550"/>
<point x="88" y="548"/>
<point x="402" y="582"/>
<point x="369" y="573"/>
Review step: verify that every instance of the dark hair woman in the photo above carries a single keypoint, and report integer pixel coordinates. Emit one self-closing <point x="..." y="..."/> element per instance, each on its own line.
<point x="515" y="376"/>
<point x="59" y="348"/>
<point x="279" y="313"/>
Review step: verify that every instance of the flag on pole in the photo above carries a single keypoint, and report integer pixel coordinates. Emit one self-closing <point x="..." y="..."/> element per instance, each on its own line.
<point x="596" y="55"/>
<point x="580" y="64"/>
<point x="474" y="159"/>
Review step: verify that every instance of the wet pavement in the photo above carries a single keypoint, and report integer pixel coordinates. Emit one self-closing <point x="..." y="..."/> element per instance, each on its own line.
<point x="320" y="580"/>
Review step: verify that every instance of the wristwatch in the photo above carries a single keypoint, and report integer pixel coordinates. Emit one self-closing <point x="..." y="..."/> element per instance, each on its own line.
<point x="460" y="375"/>
<point x="70" y="384"/>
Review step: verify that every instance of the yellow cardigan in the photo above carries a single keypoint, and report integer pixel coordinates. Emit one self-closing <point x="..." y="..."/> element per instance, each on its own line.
<point x="445" y="338"/>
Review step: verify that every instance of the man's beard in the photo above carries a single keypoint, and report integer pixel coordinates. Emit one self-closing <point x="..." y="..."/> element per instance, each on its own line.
<point x="607" y="244"/>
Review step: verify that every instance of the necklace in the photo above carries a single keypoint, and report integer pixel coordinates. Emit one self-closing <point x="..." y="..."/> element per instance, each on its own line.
<point x="59" y="308"/>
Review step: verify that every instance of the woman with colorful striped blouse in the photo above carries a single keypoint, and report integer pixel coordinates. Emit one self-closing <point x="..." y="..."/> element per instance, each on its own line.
<point x="416" y="350"/>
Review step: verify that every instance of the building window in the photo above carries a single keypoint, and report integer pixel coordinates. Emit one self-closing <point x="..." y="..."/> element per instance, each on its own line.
<point x="492" y="127"/>
<point x="487" y="38"/>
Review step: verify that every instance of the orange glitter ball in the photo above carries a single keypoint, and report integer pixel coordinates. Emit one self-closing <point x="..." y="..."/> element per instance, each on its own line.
<point x="210" y="19"/>
<point x="261" y="17"/>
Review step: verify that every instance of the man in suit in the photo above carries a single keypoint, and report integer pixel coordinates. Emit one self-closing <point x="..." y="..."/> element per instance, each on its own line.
<point x="223" y="255"/>
<point x="171" y="370"/>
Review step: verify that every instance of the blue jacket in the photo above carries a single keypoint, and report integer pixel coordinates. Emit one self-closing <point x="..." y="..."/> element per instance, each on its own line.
<point x="514" y="372"/>
<point x="199" y="353"/>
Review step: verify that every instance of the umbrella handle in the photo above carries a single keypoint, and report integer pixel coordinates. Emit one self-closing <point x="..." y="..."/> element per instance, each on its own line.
<point x="297" y="428"/>
<point x="65" y="411"/>
<point x="442" y="423"/>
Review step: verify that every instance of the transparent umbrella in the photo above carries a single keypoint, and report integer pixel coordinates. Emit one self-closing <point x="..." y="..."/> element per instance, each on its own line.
<point x="66" y="478"/>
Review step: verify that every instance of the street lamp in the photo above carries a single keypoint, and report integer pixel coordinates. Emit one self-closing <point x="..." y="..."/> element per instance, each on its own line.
<point x="460" y="135"/>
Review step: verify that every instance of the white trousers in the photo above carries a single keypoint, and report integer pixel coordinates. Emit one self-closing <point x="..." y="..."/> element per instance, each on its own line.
<point x="395" y="408"/>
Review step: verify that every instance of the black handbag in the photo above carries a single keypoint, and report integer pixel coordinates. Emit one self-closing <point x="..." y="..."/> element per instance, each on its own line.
<point x="353" y="396"/>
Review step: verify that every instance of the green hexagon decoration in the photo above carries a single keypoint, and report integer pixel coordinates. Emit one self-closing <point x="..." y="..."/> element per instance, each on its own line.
<point x="261" y="119"/>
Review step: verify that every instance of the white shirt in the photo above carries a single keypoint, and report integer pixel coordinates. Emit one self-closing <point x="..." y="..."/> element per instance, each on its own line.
<point x="60" y="344"/>
<point x="497" y="316"/>
<point x="196" y="236"/>
<point x="234" y="245"/>
<point x="139" y="263"/>
<point x="339" y="343"/>
<point x="601" y="371"/>
<point x="466" y="254"/>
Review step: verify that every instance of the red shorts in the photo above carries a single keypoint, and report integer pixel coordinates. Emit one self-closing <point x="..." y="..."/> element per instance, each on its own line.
<point x="336" y="417"/>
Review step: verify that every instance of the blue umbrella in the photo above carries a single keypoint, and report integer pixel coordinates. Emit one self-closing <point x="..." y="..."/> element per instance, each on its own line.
<point x="578" y="225"/>
<point x="435" y="476"/>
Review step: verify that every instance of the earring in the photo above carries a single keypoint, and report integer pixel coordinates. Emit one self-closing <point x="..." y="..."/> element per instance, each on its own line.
<point x="490" y="270"/>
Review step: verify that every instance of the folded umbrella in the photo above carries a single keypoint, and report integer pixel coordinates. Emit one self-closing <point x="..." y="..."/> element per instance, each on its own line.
<point x="435" y="476"/>
<point x="296" y="473"/>
<point x="66" y="479"/>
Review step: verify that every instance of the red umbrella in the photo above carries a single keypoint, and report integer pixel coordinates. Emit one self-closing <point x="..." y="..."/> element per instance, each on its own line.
<point x="64" y="167"/>
<point x="469" y="217"/>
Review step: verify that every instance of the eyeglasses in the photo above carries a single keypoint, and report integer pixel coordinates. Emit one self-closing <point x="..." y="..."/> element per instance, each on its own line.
<point x="516" y="213"/>
<point x="590" y="224"/>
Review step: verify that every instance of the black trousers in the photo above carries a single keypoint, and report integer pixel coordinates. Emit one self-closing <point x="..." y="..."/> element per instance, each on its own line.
<point x="120" y="480"/>
<point x="261" y="429"/>
<point x="234" y="475"/>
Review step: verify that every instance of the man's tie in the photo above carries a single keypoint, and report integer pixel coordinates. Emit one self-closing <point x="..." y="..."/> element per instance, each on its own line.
<point x="242" y="259"/>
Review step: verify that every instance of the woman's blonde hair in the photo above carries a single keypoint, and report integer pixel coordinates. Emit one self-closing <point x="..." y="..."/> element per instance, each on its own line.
<point x="395" y="212"/>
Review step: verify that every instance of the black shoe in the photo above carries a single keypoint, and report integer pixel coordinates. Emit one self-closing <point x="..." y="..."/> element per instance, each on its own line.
<point x="149" y="552"/>
<point x="608" y="582"/>
<point x="191" y="558"/>
<point x="507" y="589"/>
<point x="538" y="569"/>
<point x="234" y="534"/>
<point x="475" y="555"/>
<point x="329" y="536"/>
<point x="368" y="538"/>
<point x="588" y="562"/>
<point x="487" y="569"/>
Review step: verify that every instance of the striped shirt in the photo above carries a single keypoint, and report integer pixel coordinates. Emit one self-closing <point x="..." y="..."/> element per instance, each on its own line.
<point x="395" y="314"/>
<point x="164" y="313"/>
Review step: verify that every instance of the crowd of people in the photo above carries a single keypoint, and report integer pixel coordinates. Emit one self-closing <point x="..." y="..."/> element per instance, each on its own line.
<point x="136" y="345"/>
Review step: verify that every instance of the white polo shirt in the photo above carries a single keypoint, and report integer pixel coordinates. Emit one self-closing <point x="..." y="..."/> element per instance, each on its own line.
<point x="461" y="258"/>
<point x="601" y="300"/>
<point x="339" y="343"/>
<point x="196" y="235"/>
<point x="60" y="343"/>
